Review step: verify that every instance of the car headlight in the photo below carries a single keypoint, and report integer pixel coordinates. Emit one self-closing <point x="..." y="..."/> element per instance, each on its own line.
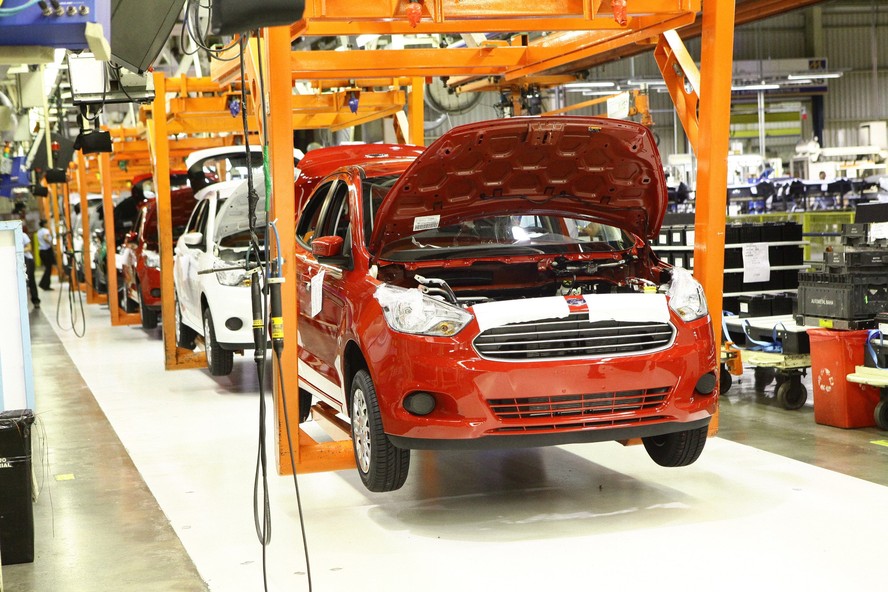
<point x="686" y="296"/>
<point x="411" y="311"/>
<point x="152" y="258"/>
<point x="232" y="277"/>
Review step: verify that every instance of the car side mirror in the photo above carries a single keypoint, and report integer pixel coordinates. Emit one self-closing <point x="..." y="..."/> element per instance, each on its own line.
<point x="327" y="246"/>
<point x="328" y="249"/>
<point x="192" y="239"/>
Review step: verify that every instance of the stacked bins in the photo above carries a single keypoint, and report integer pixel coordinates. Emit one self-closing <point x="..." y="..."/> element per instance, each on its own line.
<point x="16" y="509"/>
<point x="837" y="402"/>
<point x="853" y="285"/>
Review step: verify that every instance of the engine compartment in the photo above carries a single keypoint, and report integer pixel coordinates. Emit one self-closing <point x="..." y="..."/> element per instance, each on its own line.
<point x="495" y="280"/>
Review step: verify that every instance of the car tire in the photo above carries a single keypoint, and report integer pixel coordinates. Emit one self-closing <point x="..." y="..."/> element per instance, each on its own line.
<point x="185" y="335"/>
<point x="382" y="465"/>
<point x="677" y="449"/>
<point x="219" y="361"/>
<point x="148" y="315"/>
<point x="304" y="405"/>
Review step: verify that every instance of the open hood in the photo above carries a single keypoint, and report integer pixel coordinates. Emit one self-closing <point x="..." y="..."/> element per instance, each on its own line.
<point x="584" y="167"/>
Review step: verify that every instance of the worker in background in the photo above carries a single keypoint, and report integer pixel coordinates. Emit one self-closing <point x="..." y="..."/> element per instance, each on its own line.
<point x="47" y="255"/>
<point x="19" y="210"/>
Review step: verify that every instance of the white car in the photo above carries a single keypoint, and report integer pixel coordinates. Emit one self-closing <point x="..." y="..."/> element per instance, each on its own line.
<point x="216" y="305"/>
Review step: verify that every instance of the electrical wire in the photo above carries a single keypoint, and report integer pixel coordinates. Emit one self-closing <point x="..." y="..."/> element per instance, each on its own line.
<point x="263" y="525"/>
<point x="190" y="25"/>
<point x="14" y="10"/>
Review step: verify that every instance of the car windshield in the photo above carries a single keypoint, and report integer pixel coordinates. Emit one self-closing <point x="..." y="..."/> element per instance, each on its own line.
<point x="494" y="235"/>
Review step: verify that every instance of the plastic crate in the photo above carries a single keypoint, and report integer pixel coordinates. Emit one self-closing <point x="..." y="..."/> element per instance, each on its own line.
<point x="857" y="258"/>
<point x="755" y="306"/>
<point x="842" y="296"/>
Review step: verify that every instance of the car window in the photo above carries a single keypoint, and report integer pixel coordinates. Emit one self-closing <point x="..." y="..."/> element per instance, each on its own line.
<point x="542" y="234"/>
<point x="198" y="221"/>
<point x="372" y="192"/>
<point x="311" y="214"/>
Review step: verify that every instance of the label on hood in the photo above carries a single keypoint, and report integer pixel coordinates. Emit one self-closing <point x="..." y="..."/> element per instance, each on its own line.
<point x="426" y="222"/>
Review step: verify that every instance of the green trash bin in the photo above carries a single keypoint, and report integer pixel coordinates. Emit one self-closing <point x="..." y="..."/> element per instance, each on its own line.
<point x="16" y="507"/>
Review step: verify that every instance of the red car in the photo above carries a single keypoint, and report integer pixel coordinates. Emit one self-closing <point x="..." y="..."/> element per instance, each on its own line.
<point x="140" y="257"/>
<point x="497" y="289"/>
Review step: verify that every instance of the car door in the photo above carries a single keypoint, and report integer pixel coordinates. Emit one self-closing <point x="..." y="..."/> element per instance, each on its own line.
<point x="187" y="265"/>
<point x="320" y="289"/>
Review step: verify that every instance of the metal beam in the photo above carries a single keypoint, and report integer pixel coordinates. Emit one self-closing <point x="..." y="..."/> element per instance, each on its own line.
<point x="174" y="357"/>
<point x="712" y="172"/>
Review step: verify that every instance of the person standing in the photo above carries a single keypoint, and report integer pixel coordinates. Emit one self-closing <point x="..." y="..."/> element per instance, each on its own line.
<point x="29" y="269"/>
<point x="47" y="255"/>
<point x="27" y="247"/>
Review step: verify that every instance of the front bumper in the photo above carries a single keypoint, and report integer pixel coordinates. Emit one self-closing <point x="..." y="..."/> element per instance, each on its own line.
<point x="474" y="395"/>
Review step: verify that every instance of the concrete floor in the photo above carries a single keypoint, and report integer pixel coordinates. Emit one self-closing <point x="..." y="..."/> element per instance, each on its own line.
<point x="163" y="466"/>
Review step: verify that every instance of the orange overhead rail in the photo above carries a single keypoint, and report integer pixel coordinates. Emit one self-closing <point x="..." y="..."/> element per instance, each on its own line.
<point x="344" y="17"/>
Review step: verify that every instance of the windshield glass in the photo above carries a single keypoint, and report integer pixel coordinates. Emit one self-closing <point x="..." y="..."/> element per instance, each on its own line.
<point x="505" y="235"/>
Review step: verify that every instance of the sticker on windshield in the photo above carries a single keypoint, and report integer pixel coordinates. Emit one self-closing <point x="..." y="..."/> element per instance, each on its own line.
<point x="426" y="222"/>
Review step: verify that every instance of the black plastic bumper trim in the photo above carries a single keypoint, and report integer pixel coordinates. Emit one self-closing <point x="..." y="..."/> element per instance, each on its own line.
<point x="549" y="438"/>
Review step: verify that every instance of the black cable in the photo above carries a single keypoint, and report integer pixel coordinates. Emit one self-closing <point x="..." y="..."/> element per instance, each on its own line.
<point x="286" y="415"/>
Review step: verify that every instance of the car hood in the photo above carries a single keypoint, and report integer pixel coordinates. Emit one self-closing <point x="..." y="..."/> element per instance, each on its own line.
<point x="584" y="167"/>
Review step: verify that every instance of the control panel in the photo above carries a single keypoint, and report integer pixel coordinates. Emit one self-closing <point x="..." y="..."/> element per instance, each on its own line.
<point x="69" y="24"/>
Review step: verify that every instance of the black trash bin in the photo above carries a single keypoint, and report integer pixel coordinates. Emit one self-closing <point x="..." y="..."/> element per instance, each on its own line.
<point x="16" y="509"/>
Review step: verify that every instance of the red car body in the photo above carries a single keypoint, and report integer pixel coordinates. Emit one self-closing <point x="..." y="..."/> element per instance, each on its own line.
<point x="448" y="299"/>
<point x="141" y="250"/>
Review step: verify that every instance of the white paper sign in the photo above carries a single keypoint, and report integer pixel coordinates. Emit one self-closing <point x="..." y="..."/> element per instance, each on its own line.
<point x="618" y="106"/>
<point x="644" y="308"/>
<point x="317" y="293"/>
<point x="756" y="267"/>
<point x="498" y="314"/>
<point x="878" y="230"/>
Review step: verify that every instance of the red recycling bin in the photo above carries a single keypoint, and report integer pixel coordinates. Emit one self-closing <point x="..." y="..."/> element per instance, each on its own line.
<point x="837" y="402"/>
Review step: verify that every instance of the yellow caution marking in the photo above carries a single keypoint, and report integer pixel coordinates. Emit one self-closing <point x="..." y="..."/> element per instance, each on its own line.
<point x="65" y="477"/>
<point x="880" y="443"/>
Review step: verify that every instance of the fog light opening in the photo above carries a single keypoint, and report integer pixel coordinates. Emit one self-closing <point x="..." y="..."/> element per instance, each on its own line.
<point x="419" y="403"/>
<point x="706" y="384"/>
<point x="155" y="292"/>
<point x="234" y="324"/>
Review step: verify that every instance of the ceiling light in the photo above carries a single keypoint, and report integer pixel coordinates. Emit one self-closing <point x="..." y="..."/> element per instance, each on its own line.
<point x="651" y="82"/>
<point x="590" y="85"/>
<point x="815" y="75"/>
<point x="756" y="87"/>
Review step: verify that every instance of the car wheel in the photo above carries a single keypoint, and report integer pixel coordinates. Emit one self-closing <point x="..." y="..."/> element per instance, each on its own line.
<point x="678" y="449"/>
<point x="382" y="465"/>
<point x="304" y="405"/>
<point x="185" y="335"/>
<point x="148" y="315"/>
<point x="219" y="361"/>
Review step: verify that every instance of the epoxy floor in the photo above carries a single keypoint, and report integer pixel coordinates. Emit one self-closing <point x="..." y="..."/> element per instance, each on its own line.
<point x="149" y="486"/>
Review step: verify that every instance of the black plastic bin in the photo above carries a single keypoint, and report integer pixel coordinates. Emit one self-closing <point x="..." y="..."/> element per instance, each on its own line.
<point x="16" y="508"/>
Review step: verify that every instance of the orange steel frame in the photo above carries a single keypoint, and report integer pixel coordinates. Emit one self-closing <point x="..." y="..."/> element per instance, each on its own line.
<point x="590" y="29"/>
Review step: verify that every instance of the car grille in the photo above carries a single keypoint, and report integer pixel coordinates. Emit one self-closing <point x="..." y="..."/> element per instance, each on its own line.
<point x="595" y="405"/>
<point x="572" y="337"/>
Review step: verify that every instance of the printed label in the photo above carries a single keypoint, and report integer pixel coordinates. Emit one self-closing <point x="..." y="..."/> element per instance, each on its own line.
<point x="426" y="222"/>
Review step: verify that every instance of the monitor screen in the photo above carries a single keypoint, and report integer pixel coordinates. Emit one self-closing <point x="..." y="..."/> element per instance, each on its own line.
<point x="139" y="29"/>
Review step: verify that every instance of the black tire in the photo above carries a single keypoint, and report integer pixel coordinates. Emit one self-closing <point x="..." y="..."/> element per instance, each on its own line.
<point x="304" y="405"/>
<point x="185" y="335"/>
<point x="725" y="380"/>
<point x="764" y="377"/>
<point x="881" y="414"/>
<point x="678" y="449"/>
<point x="792" y="394"/>
<point x="148" y="315"/>
<point x="382" y="465"/>
<point x="219" y="361"/>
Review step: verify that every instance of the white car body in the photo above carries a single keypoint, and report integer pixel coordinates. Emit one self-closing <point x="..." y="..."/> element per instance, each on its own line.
<point x="219" y="214"/>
